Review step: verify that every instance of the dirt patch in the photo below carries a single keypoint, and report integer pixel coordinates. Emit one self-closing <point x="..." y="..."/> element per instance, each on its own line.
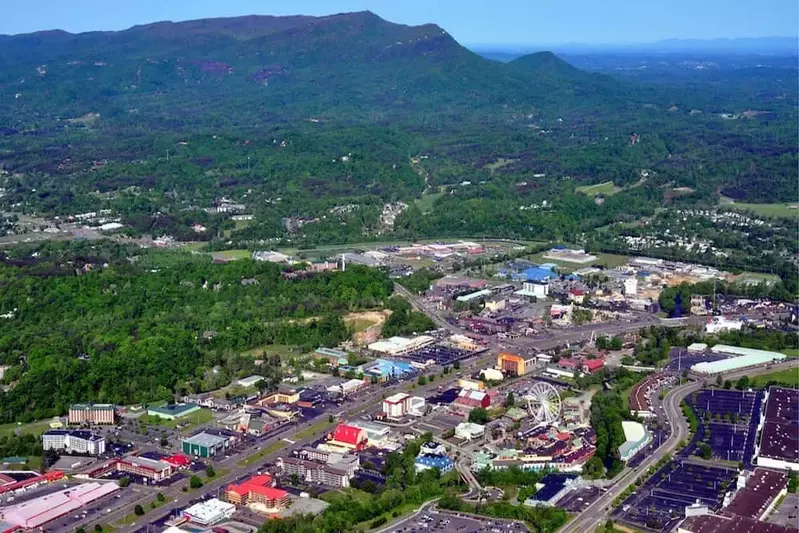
<point x="367" y="325"/>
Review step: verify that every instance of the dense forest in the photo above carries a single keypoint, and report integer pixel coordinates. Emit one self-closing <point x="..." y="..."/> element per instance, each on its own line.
<point x="81" y="325"/>
<point x="313" y="124"/>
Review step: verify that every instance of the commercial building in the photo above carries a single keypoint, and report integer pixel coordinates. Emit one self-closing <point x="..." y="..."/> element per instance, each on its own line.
<point x="534" y="289"/>
<point x="760" y="494"/>
<point x="636" y="438"/>
<point x="778" y="446"/>
<point x="73" y="441"/>
<point x="418" y="406"/>
<point x="630" y="286"/>
<point x="551" y="489"/>
<point x="592" y="365"/>
<point x="37" y="512"/>
<point x="209" y="512"/>
<point x="350" y="437"/>
<point x="397" y="405"/>
<point x="426" y="462"/>
<point x="471" y="384"/>
<point x="205" y="445"/>
<point x="491" y="374"/>
<point x="470" y="399"/>
<point x="250" y="381"/>
<point x="720" y="324"/>
<point x="515" y="364"/>
<point x="258" y="492"/>
<point x="743" y="358"/>
<point x="312" y="472"/>
<point x="474" y="296"/>
<point x="174" y="411"/>
<point x="374" y="432"/>
<point x="469" y="431"/>
<point x="283" y="395"/>
<point x="151" y="469"/>
<point x="91" y="413"/>
<point x="401" y="345"/>
<point x="709" y="523"/>
<point x="334" y="357"/>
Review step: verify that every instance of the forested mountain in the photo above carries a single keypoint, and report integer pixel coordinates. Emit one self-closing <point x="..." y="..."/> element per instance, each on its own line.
<point x="296" y="116"/>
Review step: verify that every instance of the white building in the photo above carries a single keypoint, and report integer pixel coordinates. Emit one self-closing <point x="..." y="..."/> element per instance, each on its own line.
<point x="469" y="431"/>
<point x="534" y="288"/>
<point x="719" y="324"/>
<point x="491" y="374"/>
<point x="630" y="286"/>
<point x="73" y="441"/>
<point x="351" y="386"/>
<point x="250" y="381"/>
<point x="397" y="405"/>
<point x="401" y="345"/>
<point x="636" y="438"/>
<point x="209" y="512"/>
<point x="418" y="406"/>
<point x="432" y="448"/>
<point x="697" y="347"/>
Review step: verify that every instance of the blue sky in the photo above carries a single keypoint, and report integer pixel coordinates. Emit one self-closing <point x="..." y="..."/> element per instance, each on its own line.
<point x="472" y="22"/>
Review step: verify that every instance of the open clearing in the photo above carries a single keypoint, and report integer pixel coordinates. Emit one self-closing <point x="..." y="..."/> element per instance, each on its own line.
<point x="788" y="377"/>
<point x="284" y="351"/>
<point x="203" y="416"/>
<point x="606" y="188"/>
<point x="766" y="210"/>
<point x="35" y="428"/>
<point x="425" y="203"/>
<point x="606" y="260"/>
<point x="758" y="277"/>
<point x="232" y="254"/>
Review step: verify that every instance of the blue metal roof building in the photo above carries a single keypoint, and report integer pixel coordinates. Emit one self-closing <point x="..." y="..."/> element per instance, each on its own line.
<point x="442" y="462"/>
<point x="538" y="274"/>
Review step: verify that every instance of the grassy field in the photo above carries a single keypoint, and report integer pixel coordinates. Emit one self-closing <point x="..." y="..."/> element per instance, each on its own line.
<point x="606" y="188"/>
<point x="316" y="429"/>
<point x="425" y="203"/>
<point x="606" y="260"/>
<point x="767" y="210"/>
<point x="37" y="428"/>
<point x="260" y="454"/>
<point x="499" y="163"/>
<point x="757" y="277"/>
<point x="233" y="254"/>
<point x="788" y="377"/>
<point x="203" y="416"/>
<point x="284" y="351"/>
<point x="791" y="352"/>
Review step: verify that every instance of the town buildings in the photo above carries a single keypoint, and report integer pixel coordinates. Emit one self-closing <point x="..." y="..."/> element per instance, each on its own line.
<point x="209" y="512"/>
<point x="313" y="472"/>
<point x="205" y="445"/>
<point x="259" y="493"/>
<point x="73" y="441"/>
<point x="778" y="446"/>
<point x="397" y="406"/>
<point x="173" y="411"/>
<point x="91" y="414"/>
<point x="469" y="431"/>
<point x="349" y="437"/>
<point x="37" y="512"/>
<point x="636" y="438"/>
<point x="515" y="364"/>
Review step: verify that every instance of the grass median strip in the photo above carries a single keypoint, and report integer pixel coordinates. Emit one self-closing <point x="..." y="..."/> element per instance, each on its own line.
<point x="260" y="454"/>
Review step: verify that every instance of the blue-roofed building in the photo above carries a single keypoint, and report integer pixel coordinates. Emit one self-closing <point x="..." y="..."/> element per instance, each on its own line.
<point x="552" y="488"/>
<point x="536" y="274"/>
<point x="384" y="369"/>
<point x="443" y="462"/>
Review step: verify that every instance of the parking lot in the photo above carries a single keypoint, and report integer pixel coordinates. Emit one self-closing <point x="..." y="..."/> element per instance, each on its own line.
<point x="445" y="521"/>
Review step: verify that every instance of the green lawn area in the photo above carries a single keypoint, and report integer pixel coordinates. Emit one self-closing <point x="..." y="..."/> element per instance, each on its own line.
<point x="791" y="352"/>
<point x="203" y="416"/>
<point x="233" y="254"/>
<point x="499" y="163"/>
<point x="260" y="454"/>
<point x="766" y="210"/>
<point x="788" y="377"/>
<point x="311" y="431"/>
<point x="425" y="203"/>
<point x="285" y="351"/>
<point x="606" y="188"/>
<point x="360" y="324"/>
<point x="37" y="428"/>
<point x="758" y="277"/>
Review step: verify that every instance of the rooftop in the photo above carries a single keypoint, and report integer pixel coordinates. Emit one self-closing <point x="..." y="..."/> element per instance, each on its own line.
<point x="780" y="439"/>
<point x="209" y="510"/>
<point x="737" y="524"/>
<point x="761" y="489"/>
<point x="78" y="433"/>
<point x="205" y="439"/>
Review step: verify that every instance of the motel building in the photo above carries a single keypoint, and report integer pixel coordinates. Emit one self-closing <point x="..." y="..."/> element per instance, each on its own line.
<point x="397" y="406"/>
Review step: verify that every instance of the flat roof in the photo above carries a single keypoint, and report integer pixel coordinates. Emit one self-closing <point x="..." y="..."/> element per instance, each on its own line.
<point x="746" y="357"/>
<point x="780" y="437"/>
<point x="473" y="295"/>
<point x="174" y="409"/>
<point x="397" y="398"/>
<point x="736" y="524"/>
<point x="204" y="439"/>
<point x="209" y="510"/>
<point x="760" y="490"/>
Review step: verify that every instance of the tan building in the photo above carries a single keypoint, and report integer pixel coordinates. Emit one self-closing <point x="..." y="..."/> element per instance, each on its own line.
<point x="92" y="413"/>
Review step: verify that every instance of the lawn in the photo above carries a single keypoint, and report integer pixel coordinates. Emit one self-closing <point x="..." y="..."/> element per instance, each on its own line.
<point x="791" y="352"/>
<point x="758" y="277"/>
<point x="37" y="428"/>
<point x="260" y="454"/>
<point x="233" y="254"/>
<point x="606" y="188"/>
<point x="425" y="203"/>
<point x="788" y="377"/>
<point x="203" y="416"/>
<point x="767" y="210"/>
<point x="312" y="431"/>
<point x="284" y="351"/>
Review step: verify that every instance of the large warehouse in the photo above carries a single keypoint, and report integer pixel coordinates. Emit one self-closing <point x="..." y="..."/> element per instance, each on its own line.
<point x="636" y="438"/>
<point x="741" y="358"/>
<point x="778" y="446"/>
<point x="39" y="511"/>
<point x="205" y="445"/>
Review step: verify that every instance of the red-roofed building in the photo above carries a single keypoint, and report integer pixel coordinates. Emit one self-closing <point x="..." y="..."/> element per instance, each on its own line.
<point x="576" y="295"/>
<point x="179" y="460"/>
<point x="593" y="365"/>
<point x="568" y="362"/>
<point x="258" y="491"/>
<point x="349" y="437"/>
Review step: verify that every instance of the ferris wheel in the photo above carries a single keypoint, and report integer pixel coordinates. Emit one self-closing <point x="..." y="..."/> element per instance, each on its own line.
<point x="543" y="403"/>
